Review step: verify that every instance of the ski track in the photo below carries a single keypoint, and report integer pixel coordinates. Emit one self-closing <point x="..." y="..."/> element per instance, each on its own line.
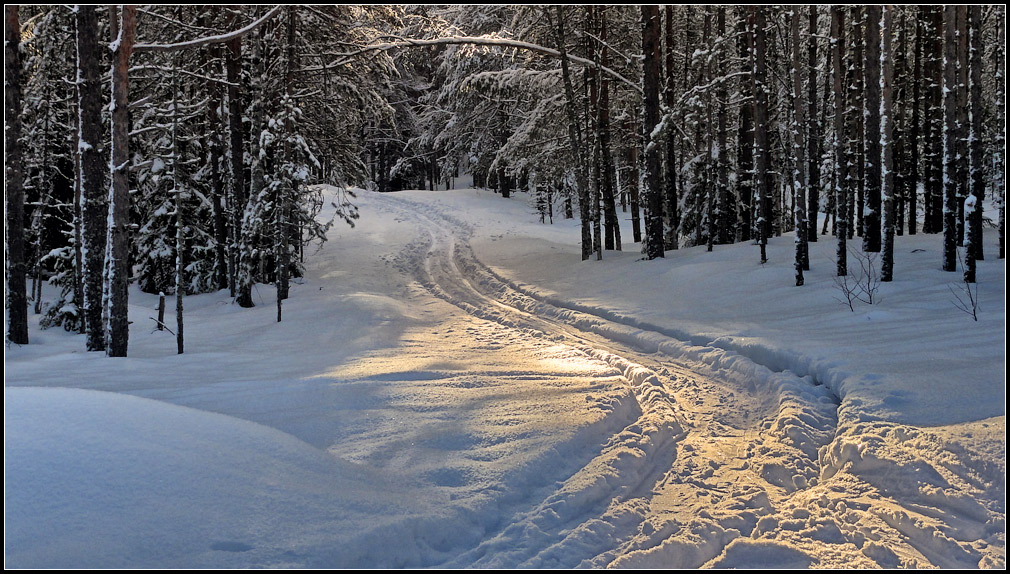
<point x="727" y="459"/>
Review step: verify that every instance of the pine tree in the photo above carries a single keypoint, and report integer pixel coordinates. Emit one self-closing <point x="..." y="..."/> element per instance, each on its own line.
<point x="840" y="137"/>
<point x="973" y="203"/>
<point x="813" y="129"/>
<point x="800" y="180"/>
<point x="17" y="298"/>
<point x="672" y="207"/>
<point x="913" y="129"/>
<point x="933" y="69"/>
<point x="726" y="210"/>
<point x="999" y="145"/>
<point x="118" y="238"/>
<point x="886" y="143"/>
<point x="745" y="133"/>
<point x="950" y="133"/>
<point x="94" y="194"/>
<point x="857" y="138"/>
<point x="653" y="179"/>
<point x="762" y="178"/>
<point x="871" y="132"/>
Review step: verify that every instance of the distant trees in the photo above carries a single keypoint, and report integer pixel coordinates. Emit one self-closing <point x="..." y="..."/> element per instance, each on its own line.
<point x="709" y="118"/>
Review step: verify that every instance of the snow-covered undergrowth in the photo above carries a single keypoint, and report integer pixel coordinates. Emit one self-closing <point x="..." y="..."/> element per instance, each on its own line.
<point x="451" y="386"/>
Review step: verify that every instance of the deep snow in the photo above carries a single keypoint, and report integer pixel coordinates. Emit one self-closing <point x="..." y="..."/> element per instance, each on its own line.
<point x="451" y="386"/>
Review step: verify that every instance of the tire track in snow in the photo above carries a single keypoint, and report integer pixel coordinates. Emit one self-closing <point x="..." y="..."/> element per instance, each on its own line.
<point x="635" y="464"/>
<point x="783" y="471"/>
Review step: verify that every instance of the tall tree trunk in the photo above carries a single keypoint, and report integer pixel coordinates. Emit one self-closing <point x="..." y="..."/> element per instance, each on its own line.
<point x="827" y="103"/>
<point x="761" y="149"/>
<point x="934" y="69"/>
<point x="216" y="181"/>
<point x="653" y="179"/>
<point x="840" y="136"/>
<point x="950" y="133"/>
<point x="118" y="265"/>
<point x="962" y="176"/>
<point x="634" y="184"/>
<point x="899" y="130"/>
<point x="973" y="206"/>
<point x="78" y="217"/>
<point x="871" y="131"/>
<point x="999" y="146"/>
<point x="672" y="197"/>
<point x="237" y="195"/>
<point x="575" y="138"/>
<point x="613" y="228"/>
<point x="813" y="130"/>
<point x="726" y="212"/>
<point x="887" y="143"/>
<point x="180" y="222"/>
<point x="799" y="178"/>
<point x="94" y="193"/>
<point x="288" y="194"/>
<point x="593" y="127"/>
<point x="710" y="152"/>
<point x="745" y="133"/>
<point x="857" y="159"/>
<point x="912" y="187"/>
<point x="17" y="296"/>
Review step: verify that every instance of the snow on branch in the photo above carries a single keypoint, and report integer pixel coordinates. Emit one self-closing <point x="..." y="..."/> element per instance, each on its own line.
<point x="479" y="41"/>
<point x="219" y="39"/>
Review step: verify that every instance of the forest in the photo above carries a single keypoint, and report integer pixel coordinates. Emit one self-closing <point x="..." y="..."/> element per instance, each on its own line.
<point x="505" y="286"/>
<point x="178" y="148"/>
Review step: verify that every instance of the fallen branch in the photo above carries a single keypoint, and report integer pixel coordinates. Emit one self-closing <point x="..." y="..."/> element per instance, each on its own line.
<point x="162" y="325"/>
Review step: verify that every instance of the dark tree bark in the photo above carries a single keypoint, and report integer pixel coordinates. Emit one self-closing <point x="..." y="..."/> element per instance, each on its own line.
<point x="611" y="223"/>
<point x="634" y="194"/>
<point x="761" y="149"/>
<point x="962" y="177"/>
<point x="871" y="131"/>
<point x="708" y="222"/>
<point x="886" y="144"/>
<point x="800" y="180"/>
<point x="592" y="127"/>
<point x="221" y="271"/>
<point x="94" y="193"/>
<point x="840" y="136"/>
<point x="973" y="207"/>
<point x="912" y="187"/>
<point x="999" y="146"/>
<point x="575" y="138"/>
<point x="827" y="103"/>
<point x="178" y="151"/>
<point x="813" y="128"/>
<point x="286" y="194"/>
<point x="653" y="162"/>
<point x="745" y="133"/>
<point x="17" y="328"/>
<point x="726" y="212"/>
<point x="950" y="133"/>
<point x="118" y="265"/>
<point x="78" y="217"/>
<point x="899" y="129"/>
<point x="240" y="287"/>
<point x="857" y="165"/>
<point x="933" y="31"/>
<point x="672" y="197"/>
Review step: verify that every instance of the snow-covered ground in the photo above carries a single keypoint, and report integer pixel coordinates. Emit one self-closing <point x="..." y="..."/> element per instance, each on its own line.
<point x="451" y="386"/>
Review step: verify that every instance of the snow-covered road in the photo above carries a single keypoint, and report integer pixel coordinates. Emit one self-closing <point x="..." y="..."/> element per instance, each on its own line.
<point x="719" y="464"/>
<point x="479" y="421"/>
